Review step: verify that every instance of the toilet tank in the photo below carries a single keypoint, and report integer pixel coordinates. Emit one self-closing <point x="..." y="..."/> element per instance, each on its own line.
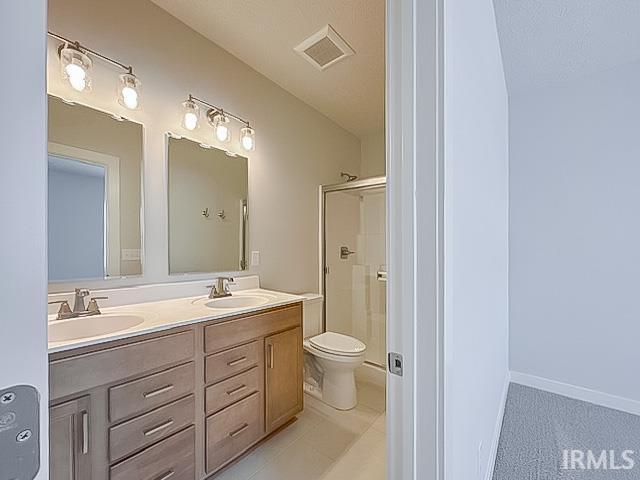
<point x="311" y="314"/>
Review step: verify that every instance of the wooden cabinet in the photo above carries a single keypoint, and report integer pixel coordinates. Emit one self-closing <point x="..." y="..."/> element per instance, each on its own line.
<point x="283" y="377"/>
<point x="178" y="404"/>
<point x="69" y="450"/>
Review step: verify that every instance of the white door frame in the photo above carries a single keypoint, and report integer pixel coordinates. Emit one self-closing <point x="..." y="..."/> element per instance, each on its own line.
<point x="415" y="199"/>
<point x="23" y="212"/>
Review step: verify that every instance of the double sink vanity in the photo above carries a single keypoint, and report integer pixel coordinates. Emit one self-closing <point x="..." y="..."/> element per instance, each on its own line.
<point x="173" y="389"/>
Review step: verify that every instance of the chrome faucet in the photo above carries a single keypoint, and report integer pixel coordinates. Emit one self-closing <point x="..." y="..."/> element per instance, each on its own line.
<point x="78" y="303"/>
<point x="220" y="289"/>
<point x="79" y="310"/>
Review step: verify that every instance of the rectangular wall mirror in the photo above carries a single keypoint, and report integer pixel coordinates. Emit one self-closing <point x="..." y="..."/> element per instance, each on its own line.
<point x="95" y="194"/>
<point x="207" y="209"/>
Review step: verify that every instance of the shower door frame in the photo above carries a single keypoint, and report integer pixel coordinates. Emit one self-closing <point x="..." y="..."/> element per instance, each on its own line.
<point x="363" y="185"/>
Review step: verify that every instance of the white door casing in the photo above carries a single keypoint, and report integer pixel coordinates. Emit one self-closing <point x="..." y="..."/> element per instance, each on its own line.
<point x="415" y="200"/>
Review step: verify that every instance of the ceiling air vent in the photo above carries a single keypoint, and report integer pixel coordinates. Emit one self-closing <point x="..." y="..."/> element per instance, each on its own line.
<point x="324" y="48"/>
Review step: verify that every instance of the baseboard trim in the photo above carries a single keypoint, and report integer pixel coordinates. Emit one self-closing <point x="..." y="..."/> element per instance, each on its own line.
<point x="371" y="374"/>
<point x="493" y="453"/>
<point x="578" y="393"/>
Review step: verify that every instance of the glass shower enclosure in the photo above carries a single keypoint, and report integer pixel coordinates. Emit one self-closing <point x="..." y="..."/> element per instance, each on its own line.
<point x="353" y="262"/>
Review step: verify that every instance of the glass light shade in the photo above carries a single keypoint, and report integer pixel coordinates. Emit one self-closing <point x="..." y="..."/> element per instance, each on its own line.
<point x="76" y="68"/>
<point x="191" y="115"/>
<point x="248" y="138"/>
<point x="221" y="127"/>
<point x="129" y="91"/>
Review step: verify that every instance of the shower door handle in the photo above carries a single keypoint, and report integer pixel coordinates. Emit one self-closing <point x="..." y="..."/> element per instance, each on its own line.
<point x="345" y="252"/>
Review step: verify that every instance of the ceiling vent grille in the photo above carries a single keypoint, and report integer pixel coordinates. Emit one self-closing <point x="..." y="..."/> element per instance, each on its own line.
<point x="324" y="48"/>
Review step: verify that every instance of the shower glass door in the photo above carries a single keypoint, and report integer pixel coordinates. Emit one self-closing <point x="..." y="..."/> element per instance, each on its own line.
<point x="355" y="264"/>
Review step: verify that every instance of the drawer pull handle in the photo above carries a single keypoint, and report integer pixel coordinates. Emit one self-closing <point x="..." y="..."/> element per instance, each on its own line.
<point x="237" y="390"/>
<point x="159" y="428"/>
<point x="85" y="433"/>
<point x="270" y="360"/>
<point x="165" y="476"/>
<point x="237" y="432"/>
<point x="159" y="391"/>
<point x="237" y="361"/>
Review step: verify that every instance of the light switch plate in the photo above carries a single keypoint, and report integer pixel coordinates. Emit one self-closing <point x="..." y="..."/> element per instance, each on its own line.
<point x="255" y="258"/>
<point x="19" y="433"/>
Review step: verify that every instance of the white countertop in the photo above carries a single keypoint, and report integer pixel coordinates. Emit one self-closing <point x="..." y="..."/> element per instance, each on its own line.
<point x="166" y="314"/>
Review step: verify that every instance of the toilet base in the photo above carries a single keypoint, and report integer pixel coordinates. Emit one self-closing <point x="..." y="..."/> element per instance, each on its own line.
<point x="339" y="390"/>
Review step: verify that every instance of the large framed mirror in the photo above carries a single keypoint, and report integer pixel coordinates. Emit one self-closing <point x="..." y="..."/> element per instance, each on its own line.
<point x="95" y="194"/>
<point x="208" y="214"/>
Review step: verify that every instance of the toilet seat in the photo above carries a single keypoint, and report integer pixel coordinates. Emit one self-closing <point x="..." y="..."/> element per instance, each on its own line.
<point x="338" y="344"/>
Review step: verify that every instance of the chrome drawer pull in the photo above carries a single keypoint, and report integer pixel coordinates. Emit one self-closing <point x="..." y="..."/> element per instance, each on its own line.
<point x="85" y="433"/>
<point x="159" y="391"/>
<point x="164" y="476"/>
<point x="159" y="428"/>
<point x="237" y="390"/>
<point x="237" y="361"/>
<point x="237" y="432"/>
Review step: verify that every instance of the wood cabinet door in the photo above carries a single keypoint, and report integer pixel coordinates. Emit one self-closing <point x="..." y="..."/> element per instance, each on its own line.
<point x="69" y="452"/>
<point x="283" y="377"/>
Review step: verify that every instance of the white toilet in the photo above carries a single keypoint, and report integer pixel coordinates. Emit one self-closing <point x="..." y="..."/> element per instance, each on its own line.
<point x="333" y="360"/>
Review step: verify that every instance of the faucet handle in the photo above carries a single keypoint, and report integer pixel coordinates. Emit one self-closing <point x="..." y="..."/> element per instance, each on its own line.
<point x="213" y="291"/>
<point x="93" y="305"/>
<point x="65" y="309"/>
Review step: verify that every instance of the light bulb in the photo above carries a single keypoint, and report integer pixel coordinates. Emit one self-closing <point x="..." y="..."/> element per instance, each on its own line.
<point x="76" y="76"/>
<point x="190" y="117"/>
<point x="220" y="123"/>
<point x="222" y="132"/>
<point x="190" y="121"/>
<point x="130" y="97"/>
<point x="129" y="91"/>
<point x="76" y="67"/>
<point x="247" y="138"/>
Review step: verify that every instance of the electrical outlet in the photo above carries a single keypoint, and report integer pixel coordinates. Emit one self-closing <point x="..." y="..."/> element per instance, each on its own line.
<point x="255" y="258"/>
<point x="130" y="254"/>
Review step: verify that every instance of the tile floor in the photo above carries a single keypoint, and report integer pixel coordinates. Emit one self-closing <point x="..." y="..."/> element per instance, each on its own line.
<point x="323" y="444"/>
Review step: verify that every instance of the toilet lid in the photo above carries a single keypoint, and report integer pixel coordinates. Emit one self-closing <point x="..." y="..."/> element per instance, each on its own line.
<point x="337" y="343"/>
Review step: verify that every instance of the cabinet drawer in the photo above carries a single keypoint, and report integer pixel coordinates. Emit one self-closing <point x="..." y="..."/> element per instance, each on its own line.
<point x="89" y="370"/>
<point x="151" y="391"/>
<point x="233" y="389"/>
<point x="225" y="364"/>
<point x="150" y="427"/>
<point x="234" y="332"/>
<point x="233" y="430"/>
<point x="171" y="459"/>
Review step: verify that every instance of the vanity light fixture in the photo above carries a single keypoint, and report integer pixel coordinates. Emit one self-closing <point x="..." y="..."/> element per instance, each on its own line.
<point x="76" y="63"/>
<point x="219" y="120"/>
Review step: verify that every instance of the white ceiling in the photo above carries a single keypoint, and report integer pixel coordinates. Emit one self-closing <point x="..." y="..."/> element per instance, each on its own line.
<point x="263" y="33"/>
<point x="549" y="41"/>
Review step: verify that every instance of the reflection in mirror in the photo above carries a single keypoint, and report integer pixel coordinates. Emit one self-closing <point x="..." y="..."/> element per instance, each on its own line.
<point x="95" y="194"/>
<point x="207" y="209"/>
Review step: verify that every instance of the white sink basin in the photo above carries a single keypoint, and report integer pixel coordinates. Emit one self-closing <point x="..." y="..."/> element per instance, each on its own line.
<point x="93" y="326"/>
<point x="239" y="301"/>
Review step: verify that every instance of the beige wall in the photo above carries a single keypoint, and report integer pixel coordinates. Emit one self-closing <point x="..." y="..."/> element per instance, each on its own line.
<point x="89" y="129"/>
<point x="297" y="147"/>
<point x="373" y="154"/>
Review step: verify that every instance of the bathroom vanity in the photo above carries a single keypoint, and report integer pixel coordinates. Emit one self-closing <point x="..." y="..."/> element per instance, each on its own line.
<point x="178" y="403"/>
